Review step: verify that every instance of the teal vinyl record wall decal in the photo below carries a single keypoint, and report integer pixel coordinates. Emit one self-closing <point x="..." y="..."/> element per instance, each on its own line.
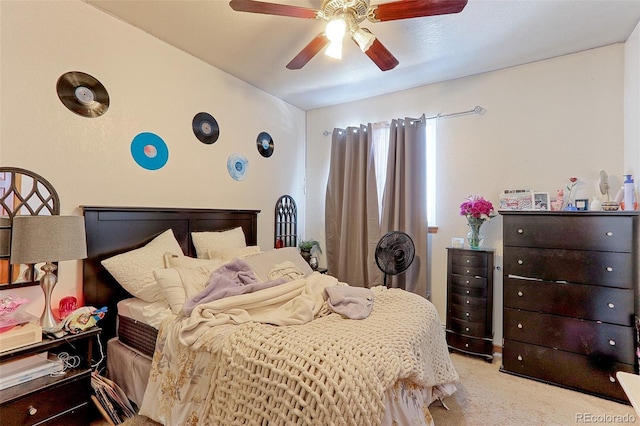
<point x="149" y="151"/>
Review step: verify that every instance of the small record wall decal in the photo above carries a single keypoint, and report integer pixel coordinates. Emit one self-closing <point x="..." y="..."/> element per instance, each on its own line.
<point x="205" y="127"/>
<point x="237" y="166"/>
<point x="265" y="144"/>
<point x="149" y="151"/>
<point x="82" y="94"/>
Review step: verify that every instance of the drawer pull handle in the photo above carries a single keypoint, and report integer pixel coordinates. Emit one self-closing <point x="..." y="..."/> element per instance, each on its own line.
<point x="466" y="345"/>
<point x="466" y="329"/>
<point x="32" y="410"/>
<point x="520" y="294"/>
<point x="612" y="342"/>
<point x="468" y="271"/>
<point x="468" y="260"/>
<point x="612" y="379"/>
<point x="520" y="231"/>
<point x="519" y="325"/>
<point x="609" y="269"/>
<point x="468" y="301"/>
<point x="468" y="282"/>
<point x="468" y="292"/>
<point x="611" y="305"/>
<point x="467" y="313"/>
<point x="520" y="261"/>
<point x="519" y="357"/>
<point x="609" y="234"/>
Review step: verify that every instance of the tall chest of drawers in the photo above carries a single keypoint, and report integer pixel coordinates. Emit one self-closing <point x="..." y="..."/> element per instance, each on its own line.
<point x="470" y="301"/>
<point x="570" y="298"/>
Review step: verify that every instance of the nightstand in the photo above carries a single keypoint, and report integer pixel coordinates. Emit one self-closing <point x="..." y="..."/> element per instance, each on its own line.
<point x="63" y="400"/>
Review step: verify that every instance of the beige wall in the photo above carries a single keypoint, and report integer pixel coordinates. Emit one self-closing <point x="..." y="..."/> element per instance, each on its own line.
<point x="153" y="87"/>
<point x="544" y="122"/>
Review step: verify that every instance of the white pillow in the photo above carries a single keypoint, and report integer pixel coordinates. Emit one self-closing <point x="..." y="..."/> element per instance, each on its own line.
<point x="181" y="284"/>
<point x="229" y="254"/>
<point x="217" y="240"/>
<point x="181" y="261"/>
<point x="262" y="263"/>
<point x="134" y="269"/>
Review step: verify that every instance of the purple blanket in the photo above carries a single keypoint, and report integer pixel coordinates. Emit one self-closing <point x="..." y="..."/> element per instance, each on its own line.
<point x="231" y="279"/>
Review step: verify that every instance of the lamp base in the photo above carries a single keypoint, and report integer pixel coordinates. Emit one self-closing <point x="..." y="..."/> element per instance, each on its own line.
<point x="47" y="283"/>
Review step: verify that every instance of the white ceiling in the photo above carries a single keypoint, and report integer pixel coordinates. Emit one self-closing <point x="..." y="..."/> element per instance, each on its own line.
<point x="487" y="35"/>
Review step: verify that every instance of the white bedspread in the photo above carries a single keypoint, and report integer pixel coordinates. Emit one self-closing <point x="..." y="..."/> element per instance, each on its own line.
<point x="327" y="371"/>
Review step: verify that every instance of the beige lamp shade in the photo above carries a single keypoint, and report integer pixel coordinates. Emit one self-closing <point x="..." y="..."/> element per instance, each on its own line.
<point x="38" y="239"/>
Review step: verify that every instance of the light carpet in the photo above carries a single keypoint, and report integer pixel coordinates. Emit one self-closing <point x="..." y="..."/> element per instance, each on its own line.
<point x="486" y="396"/>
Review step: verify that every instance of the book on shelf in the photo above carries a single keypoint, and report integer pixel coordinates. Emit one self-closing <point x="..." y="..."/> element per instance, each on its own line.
<point x="25" y="369"/>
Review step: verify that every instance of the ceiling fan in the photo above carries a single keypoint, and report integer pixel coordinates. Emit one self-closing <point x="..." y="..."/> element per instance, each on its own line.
<point x="344" y="16"/>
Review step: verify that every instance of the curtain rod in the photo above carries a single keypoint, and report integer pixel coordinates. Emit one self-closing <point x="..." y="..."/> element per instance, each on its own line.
<point x="476" y="110"/>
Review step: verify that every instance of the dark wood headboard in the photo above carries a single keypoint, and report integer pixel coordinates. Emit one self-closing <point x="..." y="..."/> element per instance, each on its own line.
<point x="114" y="230"/>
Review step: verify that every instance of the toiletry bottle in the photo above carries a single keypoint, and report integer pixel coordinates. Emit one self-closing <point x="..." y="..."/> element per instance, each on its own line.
<point x="628" y="192"/>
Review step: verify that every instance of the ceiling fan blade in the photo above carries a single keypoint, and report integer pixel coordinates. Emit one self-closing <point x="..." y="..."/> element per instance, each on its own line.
<point x="309" y="51"/>
<point x="381" y="56"/>
<point x="404" y="9"/>
<point x="272" y="9"/>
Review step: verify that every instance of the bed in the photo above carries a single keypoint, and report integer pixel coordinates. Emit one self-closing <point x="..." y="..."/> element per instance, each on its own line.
<point x="283" y="354"/>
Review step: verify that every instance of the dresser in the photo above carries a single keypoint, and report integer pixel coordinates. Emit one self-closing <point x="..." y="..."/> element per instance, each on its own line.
<point x="470" y="301"/>
<point x="570" y="298"/>
<point x="61" y="400"/>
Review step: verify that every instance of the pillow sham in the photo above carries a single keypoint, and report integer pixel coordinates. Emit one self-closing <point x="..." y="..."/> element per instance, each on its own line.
<point x="134" y="269"/>
<point x="229" y="254"/>
<point x="180" y="284"/>
<point x="262" y="263"/>
<point x="217" y="240"/>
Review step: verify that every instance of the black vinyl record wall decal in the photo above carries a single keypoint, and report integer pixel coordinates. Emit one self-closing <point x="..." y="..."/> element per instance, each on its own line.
<point x="82" y="94"/>
<point x="264" y="143"/>
<point x="206" y="128"/>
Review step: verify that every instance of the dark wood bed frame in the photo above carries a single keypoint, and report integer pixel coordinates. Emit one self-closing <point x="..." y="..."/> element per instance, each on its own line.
<point x="114" y="230"/>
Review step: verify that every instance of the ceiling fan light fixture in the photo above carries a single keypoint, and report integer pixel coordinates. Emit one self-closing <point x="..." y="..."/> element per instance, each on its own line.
<point x="364" y="39"/>
<point x="335" y="29"/>
<point x="334" y="50"/>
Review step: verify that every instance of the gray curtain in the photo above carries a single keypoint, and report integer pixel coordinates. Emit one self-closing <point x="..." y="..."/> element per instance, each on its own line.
<point x="351" y="212"/>
<point x="404" y="204"/>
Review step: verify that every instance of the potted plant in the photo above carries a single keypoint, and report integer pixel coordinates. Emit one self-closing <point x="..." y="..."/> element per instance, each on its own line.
<point x="307" y="246"/>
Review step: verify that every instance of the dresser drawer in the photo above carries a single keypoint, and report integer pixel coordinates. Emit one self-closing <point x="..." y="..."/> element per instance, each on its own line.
<point x="468" y="301"/>
<point x="606" y="341"/>
<point x="470" y="344"/>
<point x="469" y="291"/>
<point x="577" y="266"/>
<point x="473" y="329"/>
<point x="68" y="396"/>
<point x="610" y="305"/>
<point x="469" y="271"/>
<point x="467" y="313"/>
<point x="586" y="373"/>
<point x="474" y="260"/>
<point x="600" y="233"/>
<point x="468" y="281"/>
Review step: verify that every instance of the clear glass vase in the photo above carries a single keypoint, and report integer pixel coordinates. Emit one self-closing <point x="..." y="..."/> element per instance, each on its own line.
<point x="475" y="237"/>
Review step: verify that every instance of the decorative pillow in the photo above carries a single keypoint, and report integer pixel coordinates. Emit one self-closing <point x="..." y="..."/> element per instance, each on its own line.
<point x="229" y="254"/>
<point x="134" y="269"/>
<point x="181" y="261"/>
<point x="181" y="284"/>
<point x="217" y="240"/>
<point x="262" y="263"/>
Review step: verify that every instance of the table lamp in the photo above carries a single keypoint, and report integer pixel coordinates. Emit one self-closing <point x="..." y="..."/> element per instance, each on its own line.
<point x="37" y="239"/>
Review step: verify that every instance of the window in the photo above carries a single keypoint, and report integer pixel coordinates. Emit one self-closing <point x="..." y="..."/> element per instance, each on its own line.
<point x="381" y="150"/>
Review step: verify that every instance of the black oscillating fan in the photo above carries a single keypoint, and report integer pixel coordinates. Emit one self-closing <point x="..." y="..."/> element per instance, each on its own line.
<point x="394" y="253"/>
